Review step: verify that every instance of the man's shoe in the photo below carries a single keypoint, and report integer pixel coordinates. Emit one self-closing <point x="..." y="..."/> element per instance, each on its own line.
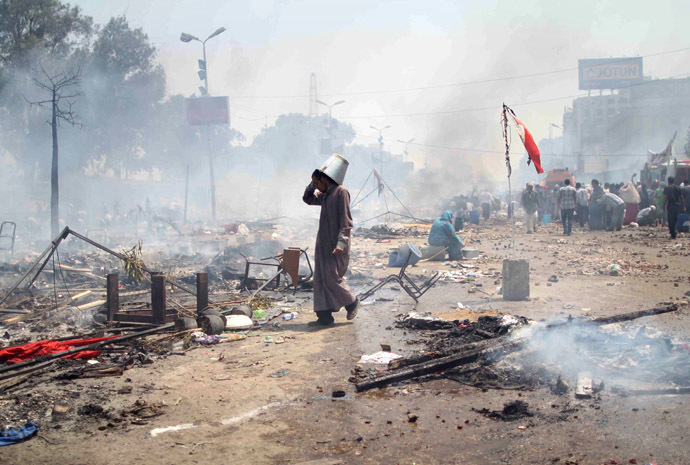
<point x="352" y="309"/>
<point x="319" y="323"/>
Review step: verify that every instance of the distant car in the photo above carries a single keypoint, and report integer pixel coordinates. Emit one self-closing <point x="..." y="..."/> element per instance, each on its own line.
<point x="557" y="177"/>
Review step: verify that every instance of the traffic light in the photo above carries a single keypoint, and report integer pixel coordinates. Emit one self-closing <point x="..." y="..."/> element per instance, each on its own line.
<point x="202" y="70"/>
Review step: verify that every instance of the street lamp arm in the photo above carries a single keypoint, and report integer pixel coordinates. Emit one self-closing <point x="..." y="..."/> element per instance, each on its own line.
<point x="322" y="103"/>
<point x="218" y="31"/>
<point x="185" y="37"/>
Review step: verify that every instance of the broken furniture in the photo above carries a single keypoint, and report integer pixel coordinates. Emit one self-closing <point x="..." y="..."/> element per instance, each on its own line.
<point x="159" y="313"/>
<point x="413" y="290"/>
<point x="287" y="263"/>
<point x="7" y="238"/>
<point x="46" y="255"/>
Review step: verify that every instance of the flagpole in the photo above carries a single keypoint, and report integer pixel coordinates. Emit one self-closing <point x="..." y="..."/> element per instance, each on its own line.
<point x="510" y="171"/>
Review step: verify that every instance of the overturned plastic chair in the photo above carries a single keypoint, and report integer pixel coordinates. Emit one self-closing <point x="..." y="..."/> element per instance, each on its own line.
<point x="413" y="290"/>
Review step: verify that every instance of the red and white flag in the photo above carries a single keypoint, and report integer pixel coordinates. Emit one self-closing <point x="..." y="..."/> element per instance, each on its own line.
<point x="528" y="142"/>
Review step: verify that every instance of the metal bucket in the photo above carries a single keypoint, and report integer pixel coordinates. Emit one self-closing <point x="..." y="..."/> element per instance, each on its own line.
<point x="335" y="168"/>
<point x="470" y="254"/>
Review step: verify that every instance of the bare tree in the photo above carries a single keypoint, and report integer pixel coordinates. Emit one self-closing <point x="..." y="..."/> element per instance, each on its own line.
<point x="63" y="88"/>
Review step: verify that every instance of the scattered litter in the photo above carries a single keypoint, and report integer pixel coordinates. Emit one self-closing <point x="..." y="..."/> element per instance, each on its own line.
<point x="17" y="435"/>
<point x="380" y="357"/>
<point x="511" y="411"/>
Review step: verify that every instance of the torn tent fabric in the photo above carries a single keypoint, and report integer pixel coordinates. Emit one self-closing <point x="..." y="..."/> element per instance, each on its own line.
<point x="528" y="142"/>
<point x="379" y="181"/>
<point x="32" y="350"/>
<point x="16" y="435"/>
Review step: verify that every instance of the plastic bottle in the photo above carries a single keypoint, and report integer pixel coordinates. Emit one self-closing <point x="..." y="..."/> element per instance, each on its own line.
<point x="290" y="316"/>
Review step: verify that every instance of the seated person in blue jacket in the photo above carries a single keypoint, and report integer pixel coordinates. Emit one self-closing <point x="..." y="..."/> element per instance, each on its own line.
<point x="442" y="234"/>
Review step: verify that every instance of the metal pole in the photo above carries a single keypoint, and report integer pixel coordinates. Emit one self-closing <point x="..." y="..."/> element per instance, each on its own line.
<point x="206" y="64"/>
<point x="186" y="195"/>
<point x="212" y="177"/>
<point x="330" y="126"/>
<point x="381" y="150"/>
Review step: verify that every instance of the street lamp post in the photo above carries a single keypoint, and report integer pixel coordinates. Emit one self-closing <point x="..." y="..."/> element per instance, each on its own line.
<point x="203" y="64"/>
<point x="406" y="142"/>
<point x="203" y="74"/>
<point x="380" y="145"/>
<point x="330" y="118"/>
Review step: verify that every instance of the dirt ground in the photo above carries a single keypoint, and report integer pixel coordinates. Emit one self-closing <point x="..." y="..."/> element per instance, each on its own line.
<point x="268" y="403"/>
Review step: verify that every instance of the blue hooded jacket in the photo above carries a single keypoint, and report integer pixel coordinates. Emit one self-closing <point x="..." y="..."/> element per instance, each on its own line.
<point x="442" y="232"/>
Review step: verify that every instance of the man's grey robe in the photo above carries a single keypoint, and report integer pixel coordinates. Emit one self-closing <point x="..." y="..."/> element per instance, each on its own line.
<point x="330" y="291"/>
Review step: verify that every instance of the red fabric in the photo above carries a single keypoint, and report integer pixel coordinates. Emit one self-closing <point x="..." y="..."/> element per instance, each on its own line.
<point x="39" y="348"/>
<point x="530" y="145"/>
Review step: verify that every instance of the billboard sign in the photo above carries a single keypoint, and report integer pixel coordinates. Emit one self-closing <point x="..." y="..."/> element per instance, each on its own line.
<point x="204" y="111"/>
<point x="609" y="73"/>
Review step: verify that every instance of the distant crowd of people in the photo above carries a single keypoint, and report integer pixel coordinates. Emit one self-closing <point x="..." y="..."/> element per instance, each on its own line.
<point x="606" y="207"/>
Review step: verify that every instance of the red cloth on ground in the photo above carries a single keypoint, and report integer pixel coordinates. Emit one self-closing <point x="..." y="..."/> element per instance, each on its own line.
<point x="631" y="211"/>
<point x="39" y="348"/>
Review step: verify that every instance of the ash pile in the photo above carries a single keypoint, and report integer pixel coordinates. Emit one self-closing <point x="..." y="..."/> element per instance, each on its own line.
<point x="581" y="359"/>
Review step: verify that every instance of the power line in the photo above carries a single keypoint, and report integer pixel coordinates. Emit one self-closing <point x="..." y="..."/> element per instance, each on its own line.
<point x="457" y="84"/>
<point x="473" y="150"/>
<point x="473" y="109"/>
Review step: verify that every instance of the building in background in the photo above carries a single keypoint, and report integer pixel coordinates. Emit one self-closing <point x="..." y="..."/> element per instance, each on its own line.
<point x="608" y="135"/>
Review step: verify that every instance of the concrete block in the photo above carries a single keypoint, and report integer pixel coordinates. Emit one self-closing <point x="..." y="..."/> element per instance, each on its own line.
<point x="515" y="279"/>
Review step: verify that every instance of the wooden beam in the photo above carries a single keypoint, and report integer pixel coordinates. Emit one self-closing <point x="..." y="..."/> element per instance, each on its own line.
<point x="113" y="294"/>
<point x="436" y="365"/>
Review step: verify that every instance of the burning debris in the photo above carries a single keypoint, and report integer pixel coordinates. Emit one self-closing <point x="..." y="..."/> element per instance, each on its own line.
<point x="506" y="352"/>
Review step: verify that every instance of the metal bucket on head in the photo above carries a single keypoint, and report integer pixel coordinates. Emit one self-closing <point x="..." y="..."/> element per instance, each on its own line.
<point x="335" y="168"/>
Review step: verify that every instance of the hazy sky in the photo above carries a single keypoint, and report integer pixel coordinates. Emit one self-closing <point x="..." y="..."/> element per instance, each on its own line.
<point x="271" y="47"/>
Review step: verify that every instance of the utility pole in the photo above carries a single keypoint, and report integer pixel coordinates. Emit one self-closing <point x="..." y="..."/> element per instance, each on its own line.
<point x="203" y="75"/>
<point x="313" y="97"/>
<point x="186" y="195"/>
<point x="380" y="145"/>
<point x="330" y="117"/>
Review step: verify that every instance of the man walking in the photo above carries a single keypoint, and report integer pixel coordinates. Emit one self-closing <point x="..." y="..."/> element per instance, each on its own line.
<point x="332" y="252"/>
<point x="530" y="202"/>
<point x="567" y="198"/>
<point x="582" y="204"/>
<point x="616" y="206"/>
<point x="673" y="204"/>
<point x="486" y="199"/>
